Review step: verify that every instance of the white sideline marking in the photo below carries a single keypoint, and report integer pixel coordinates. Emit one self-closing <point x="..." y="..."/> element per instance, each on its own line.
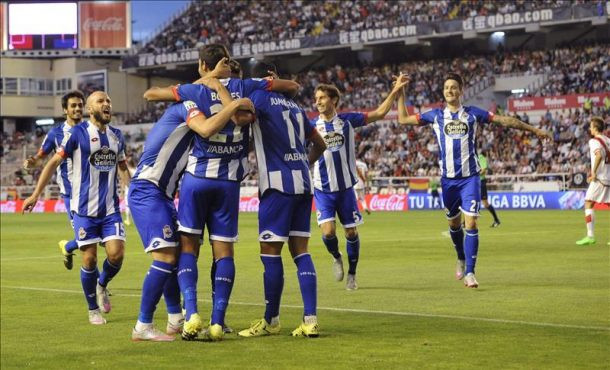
<point x="355" y="310"/>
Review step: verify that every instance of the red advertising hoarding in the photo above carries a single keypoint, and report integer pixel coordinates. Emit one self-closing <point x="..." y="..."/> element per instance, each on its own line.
<point x="105" y="24"/>
<point x="554" y="102"/>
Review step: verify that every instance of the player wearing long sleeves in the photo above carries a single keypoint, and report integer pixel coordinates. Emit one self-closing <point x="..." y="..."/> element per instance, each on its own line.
<point x="72" y="103"/>
<point x="455" y="128"/>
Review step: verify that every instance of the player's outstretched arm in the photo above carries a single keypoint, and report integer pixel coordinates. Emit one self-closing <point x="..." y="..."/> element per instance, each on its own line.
<point x="383" y="109"/>
<point x="206" y="127"/>
<point x="34" y="161"/>
<point x="160" y="94"/>
<point x="319" y="146"/>
<point x="512" y="122"/>
<point x="403" y="116"/>
<point x="288" y="87"/>
<point x="596" y="163"/>
<point x="43" y="180"/>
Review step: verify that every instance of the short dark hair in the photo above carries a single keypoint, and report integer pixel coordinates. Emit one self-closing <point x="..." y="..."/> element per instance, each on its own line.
<point x="456" y="77"/>
<point x="211" y="54"/>
<point x="598" y="123"/>
<point x="235" y="68"/>
<point x="330" y="90"/>
<point x="261" y="69"/>
<point x="70" y="95"/>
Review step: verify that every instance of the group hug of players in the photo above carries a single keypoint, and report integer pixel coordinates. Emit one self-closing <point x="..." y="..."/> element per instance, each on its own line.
<point x="199" y="147"/>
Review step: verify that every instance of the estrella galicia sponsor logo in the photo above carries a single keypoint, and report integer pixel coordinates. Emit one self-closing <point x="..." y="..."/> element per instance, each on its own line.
<point x="456" y="129"/>
<point x="104" y="159"/>
<point x="334" y="141"/>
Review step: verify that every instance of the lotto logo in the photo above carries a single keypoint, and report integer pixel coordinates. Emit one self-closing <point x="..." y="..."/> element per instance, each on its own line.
<point x="266" y="236"/>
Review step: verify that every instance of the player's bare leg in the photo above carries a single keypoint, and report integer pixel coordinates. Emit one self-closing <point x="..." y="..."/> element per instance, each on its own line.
<point x="329" y="237"/>
<point x="590" y="222"/>
<point x="224" y="276"/>
<point x="88" y="278"/>
<point x="187" y="279"/>
<point x="306" y="274"/>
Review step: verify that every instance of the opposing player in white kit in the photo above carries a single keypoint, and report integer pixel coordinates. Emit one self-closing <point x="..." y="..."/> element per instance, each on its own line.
<point x="360" y="187"/>
<point x="599" y="180"/>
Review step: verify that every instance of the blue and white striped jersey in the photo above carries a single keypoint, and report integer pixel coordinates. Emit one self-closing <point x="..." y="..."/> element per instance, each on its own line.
<point x="224" y="155"/>
<point x="336" y="168"/>
<point x="52" y="143"/>
<point x="95" y="156"/>
<point x="166" y="149"/>
<point x="280" y="134"/>
<point x="456" y="134"/>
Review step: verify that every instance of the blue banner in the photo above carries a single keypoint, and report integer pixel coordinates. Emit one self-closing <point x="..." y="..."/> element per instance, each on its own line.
<point x="505" y="200"/>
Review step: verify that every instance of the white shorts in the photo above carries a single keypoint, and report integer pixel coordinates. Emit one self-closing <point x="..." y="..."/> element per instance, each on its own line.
<point x="598" y="193"/>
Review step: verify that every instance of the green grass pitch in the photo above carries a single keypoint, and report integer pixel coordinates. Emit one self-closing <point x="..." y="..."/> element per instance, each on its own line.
<point x="543" y="302"/>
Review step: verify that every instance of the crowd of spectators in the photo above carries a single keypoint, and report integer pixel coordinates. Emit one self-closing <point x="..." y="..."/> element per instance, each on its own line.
<point x="241" y="21"/>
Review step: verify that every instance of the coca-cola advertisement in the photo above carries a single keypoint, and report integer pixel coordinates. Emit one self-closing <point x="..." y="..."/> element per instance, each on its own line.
<point x="387" y="202"/>
<point x="555" y="102"/>
<point x="105" y="24"/>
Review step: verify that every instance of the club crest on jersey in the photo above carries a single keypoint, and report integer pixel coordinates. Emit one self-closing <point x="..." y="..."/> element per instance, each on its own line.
<point x="82" y="234"/>
<point x="456" y="129"/>
<point x="334" y="141"/>
<point x="104" y="159"/>
<point x="167" y="232"/>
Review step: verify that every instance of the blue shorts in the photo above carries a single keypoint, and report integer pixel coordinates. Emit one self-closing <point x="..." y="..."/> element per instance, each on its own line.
<point x="342" y="202"/>
<point x="154" y="215"/>
<point x="283" y="215"/>
<point x="462" y="195"/>
<point x="91" y="230"/>
<point x="210" y="202"/>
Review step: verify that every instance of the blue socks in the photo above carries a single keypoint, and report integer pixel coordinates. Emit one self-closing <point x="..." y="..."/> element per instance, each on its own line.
<point x="71" y="246"/>
<point x="88" y="279"/>
<point x="171" y="293"/>
<point x="155" y="280"/>
<point x="306" y="273"/>
<point x="108" y="272"/>
<point x="353" y="252"/>
<point x="273" y="280"/>
<point x="332" y="245"/>
<point x="471" y="248"/>
<point x="187" y="279"/>
<point x="457" y="236"/>
<point x="223" y="284"/>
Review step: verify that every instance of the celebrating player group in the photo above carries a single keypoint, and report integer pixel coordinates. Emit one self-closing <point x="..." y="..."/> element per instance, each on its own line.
<point x="199" y="149"/>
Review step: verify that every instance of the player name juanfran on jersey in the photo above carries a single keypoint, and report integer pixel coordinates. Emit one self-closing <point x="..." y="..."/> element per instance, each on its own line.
<point x="95" y="156"/>
<point x="336" y="169"/>
<point x="456" y="135"/>
<point x="52" y="142"/>
<point x="166" y="149"/>
<point x="280" y="134"/>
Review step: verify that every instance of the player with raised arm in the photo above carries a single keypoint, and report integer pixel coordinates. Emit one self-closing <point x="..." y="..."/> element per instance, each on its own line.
<point x="72" y="104"/>
<point x="281" y="133"/>
<point x="335" y="174"/>
<point x="599" y="179"/>
<point x="360" y="187"/>
<point x="152" y="191"/>
<point x="455" y="128"/>
<point x="97" y="151"/>
<point x="210" y="190"/>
